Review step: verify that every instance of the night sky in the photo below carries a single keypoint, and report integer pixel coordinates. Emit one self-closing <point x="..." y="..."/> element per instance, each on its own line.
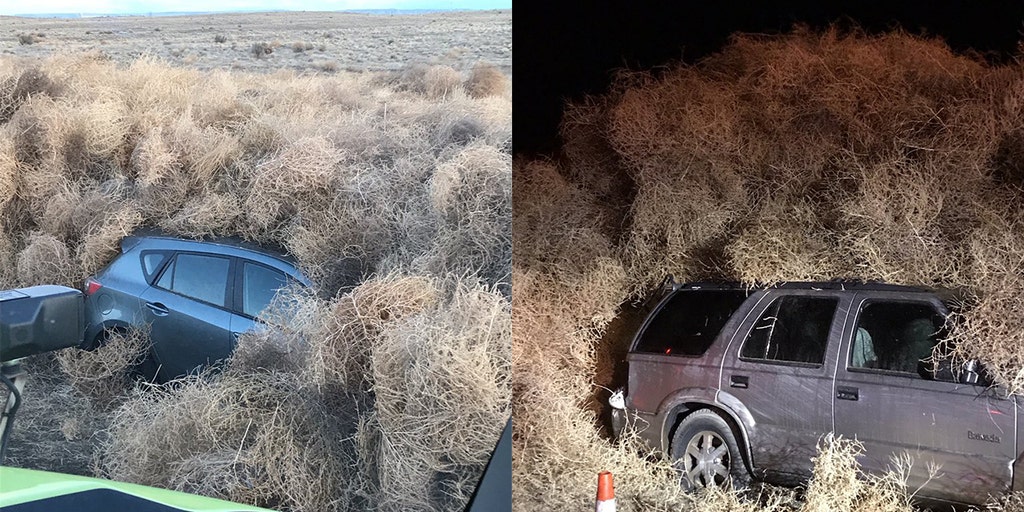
<point x="567" y="52"/>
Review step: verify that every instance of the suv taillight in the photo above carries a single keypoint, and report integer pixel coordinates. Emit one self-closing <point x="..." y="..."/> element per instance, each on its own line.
<point x="92" y="286"/>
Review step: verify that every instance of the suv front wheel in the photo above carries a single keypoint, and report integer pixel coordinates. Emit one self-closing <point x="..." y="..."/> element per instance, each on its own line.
<point x="705" y="451"/>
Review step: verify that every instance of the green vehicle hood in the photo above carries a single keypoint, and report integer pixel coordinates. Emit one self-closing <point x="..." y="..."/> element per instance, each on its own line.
<point x="26" y="490"/>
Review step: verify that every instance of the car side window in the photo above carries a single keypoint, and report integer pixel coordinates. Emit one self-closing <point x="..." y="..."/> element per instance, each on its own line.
<point x="689" y="322"/>
<point x="197" y="276"/>
<point x="792" y="329"/>
<point x="896" y="336"/>
<point x="151" y="263"/>
<point x="259" y="285"/>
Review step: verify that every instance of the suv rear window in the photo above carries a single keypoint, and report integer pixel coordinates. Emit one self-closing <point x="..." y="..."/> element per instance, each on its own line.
<point x="792" y="329"/>
<point x="689" y="322"/>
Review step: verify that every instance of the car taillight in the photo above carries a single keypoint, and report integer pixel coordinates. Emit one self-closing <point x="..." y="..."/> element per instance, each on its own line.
<point x="92" y="286"/>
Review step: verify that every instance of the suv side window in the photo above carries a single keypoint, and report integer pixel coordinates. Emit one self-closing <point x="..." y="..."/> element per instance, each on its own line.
<point x="197" y="276"/>
<point x="259" y="285"/>
<point x="792" y="329"/>
<point x="896" y="336"/>
<point x="689" y="322"/>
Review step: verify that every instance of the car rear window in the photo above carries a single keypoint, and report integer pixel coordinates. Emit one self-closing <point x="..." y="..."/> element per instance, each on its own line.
<point x="151" y="263"/>
<point x="260" y="285"/>
<point x="792" y="329"/>
<point x="689" y="322"/>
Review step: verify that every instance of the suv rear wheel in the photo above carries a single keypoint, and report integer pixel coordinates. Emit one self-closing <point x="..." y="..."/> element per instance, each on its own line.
<point x="706" y="453"/>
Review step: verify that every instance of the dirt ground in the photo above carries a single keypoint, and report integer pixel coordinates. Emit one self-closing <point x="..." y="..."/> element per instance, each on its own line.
<point x="303" y="41"/>
<point x="54" y="428"/>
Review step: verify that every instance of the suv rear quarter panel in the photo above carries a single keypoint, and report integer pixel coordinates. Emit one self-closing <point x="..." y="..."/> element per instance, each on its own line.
<point x="661" y="384"/>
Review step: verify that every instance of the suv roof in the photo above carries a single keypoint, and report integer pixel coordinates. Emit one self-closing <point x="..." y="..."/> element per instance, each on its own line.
<point x="942" y="293"/>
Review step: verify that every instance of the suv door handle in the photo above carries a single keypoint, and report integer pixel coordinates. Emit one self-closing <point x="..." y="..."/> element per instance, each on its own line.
<point x="847" y="393"/>
<point x="157" y="308"/>
<point x="739" y="381"/>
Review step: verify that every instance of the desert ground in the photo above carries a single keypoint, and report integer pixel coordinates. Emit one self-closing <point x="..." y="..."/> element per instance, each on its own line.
<point x="303" y="41"/>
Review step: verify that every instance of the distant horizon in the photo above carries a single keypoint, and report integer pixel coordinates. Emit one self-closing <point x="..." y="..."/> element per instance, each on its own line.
<point x="95" y="8"/>
<point x="240" y="11"/>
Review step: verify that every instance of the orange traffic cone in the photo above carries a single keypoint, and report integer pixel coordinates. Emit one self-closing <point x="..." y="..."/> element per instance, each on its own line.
<point x="605" y="492"/>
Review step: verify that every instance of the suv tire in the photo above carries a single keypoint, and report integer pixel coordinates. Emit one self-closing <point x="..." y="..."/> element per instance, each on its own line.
<point x="706" y="453"/>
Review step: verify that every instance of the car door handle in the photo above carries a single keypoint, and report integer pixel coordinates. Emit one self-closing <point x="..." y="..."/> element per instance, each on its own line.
<point x="157" y="308"/>
<point x="739" y="381"/>
<point x="847" y="393"/>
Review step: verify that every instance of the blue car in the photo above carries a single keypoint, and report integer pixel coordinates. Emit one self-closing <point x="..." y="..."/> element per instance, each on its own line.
<point x="196" y="298"/>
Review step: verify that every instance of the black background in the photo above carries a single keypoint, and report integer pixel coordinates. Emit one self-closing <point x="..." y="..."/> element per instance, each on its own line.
<point x="564" y="51"/>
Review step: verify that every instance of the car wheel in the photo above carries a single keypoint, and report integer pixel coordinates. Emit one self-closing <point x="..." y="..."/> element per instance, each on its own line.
<point x="706" y="453"/>
<point x="146" y="369"/>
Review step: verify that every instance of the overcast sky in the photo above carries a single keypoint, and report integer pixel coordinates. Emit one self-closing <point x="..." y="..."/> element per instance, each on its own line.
<point x="146" y="6"/>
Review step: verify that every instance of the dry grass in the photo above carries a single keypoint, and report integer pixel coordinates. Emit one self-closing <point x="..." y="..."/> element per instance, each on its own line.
<point x="45" y="260"/>
<point x="434" y="81"/>
<point x="363" y="42"/>
<point x="486" y="80"/>
<point x="395" y="200"/>
<point x="256" y="438"/>
<point x="30" y="38"/>
<point x="355" y="321"/>
<point x="104" y="375"/>
<point x="355" y="416"/>
<point x="55" y="427"/>
<point x="839" y="484"/>
<point x="261" y="49"/>
<point x="441" y="81"/>
<point x="327" y="66"/>
<point x="445" y="367"/>
<point x="803" y="156"/>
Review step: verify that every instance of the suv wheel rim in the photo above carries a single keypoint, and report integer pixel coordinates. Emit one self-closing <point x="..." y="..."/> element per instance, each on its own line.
<point x="706" y="460"/>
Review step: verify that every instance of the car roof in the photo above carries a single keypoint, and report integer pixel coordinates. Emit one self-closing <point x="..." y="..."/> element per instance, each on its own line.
<point x="225" y="245"/>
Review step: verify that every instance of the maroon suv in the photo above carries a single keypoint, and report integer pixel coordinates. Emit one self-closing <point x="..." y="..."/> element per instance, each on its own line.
<point x="735" y="383"/>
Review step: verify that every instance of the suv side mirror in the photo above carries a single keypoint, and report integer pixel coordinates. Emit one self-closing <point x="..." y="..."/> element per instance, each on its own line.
<point x="970" y="373"/>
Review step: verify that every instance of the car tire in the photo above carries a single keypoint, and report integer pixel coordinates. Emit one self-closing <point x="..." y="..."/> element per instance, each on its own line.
<point x="705" y="451"/>
<point x="145" y="370"/>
